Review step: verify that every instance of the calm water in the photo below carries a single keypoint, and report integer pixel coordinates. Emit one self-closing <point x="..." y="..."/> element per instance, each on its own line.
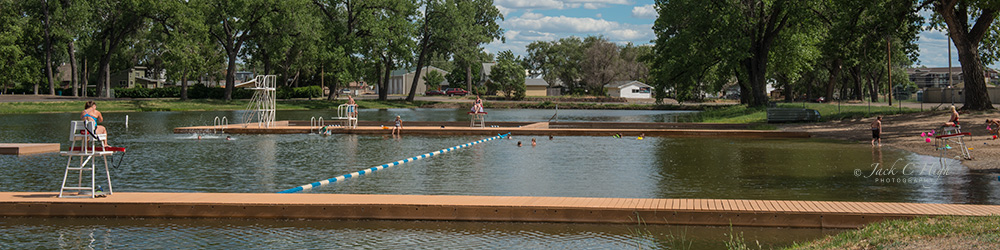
<point x="160" y="161"/>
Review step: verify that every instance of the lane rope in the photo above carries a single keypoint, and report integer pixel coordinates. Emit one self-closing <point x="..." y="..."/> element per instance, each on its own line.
<point x="385" y="166"/>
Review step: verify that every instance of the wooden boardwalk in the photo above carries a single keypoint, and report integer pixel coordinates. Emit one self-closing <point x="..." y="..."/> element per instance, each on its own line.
<point x="28" y="148"/>
<point x="515" y="128"/>
<point x="703" y="212"/>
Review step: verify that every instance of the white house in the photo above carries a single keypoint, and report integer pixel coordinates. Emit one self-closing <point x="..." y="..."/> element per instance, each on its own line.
<point x="402" y="79"/>
<point x="629" y="89"/>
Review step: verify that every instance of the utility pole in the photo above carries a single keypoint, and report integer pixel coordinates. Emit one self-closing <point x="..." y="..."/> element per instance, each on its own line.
<point x="888" y="57"/>
<point x="951" y="87"/>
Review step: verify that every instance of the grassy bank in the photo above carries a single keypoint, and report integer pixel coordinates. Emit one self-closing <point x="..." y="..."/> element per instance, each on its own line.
<point x="829" y="112"/>
<point x="919" y="233"/>
<point x="190" y="105"/>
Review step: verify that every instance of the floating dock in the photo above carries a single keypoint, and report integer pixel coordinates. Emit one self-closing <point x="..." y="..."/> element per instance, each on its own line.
<point x="28" y="148"/>
<point x="701" y="212"/>
<point x="515" y="128"/>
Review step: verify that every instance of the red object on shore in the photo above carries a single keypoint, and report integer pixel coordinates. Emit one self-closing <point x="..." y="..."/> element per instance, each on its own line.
<point x="115" y="149"/>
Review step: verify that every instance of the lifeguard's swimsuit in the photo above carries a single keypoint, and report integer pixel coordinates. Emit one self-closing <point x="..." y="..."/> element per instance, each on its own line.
<point x="91" y="117"/>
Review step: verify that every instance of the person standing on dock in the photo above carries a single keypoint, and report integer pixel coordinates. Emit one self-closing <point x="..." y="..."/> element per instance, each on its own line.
<point x="398" y="129"/>
<point x="352" y="109"/>
<point x="877" y="131"/>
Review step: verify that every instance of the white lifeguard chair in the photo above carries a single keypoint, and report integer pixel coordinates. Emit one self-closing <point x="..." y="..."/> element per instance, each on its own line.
<point x="86" y="154"/>
<point x="952" y="133"/>
<point x="349" y="114"/>
<point x="478" y="119"/>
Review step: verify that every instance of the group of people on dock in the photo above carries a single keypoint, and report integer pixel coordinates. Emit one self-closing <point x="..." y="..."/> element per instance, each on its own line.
<point x="992" y="126"/>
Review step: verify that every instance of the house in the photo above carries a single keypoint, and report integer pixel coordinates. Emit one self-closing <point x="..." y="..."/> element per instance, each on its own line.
<point x="402" y="79"/>
<point x="938" y="77"/>
<point x="535" y="87"/>
<point x="629" y="89"/>
<point x="137" y="77"/>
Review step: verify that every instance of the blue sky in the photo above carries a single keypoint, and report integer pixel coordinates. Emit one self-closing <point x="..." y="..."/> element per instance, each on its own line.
<point x="624" y="21"/>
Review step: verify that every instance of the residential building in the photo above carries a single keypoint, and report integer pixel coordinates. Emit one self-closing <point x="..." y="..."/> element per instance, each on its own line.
<point x="401" y="80"/>
<point x="629" y="89"/>
<point x="535" y="87"/>
<point x="938" y="77"/>
<point x="137" y="77"/>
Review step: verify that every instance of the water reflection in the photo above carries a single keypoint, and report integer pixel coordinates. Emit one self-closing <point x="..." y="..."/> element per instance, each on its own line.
<point x="311" y="234"/>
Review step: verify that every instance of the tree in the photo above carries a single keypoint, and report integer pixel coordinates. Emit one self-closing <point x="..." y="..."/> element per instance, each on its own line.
<point x="967" y="36"/>
<point x="601" y="66"/>
<point x="723" y="37"/>
<point x="234" y="22"/>
<point x="188" y="50"/>
<point x="508" y="76"/>
<point x="433" y="79"/>
<point x="478" y="26"/>
<point x="115" y="22"/>
<point x="16" y="66"/>
<point x="558" y="61"/>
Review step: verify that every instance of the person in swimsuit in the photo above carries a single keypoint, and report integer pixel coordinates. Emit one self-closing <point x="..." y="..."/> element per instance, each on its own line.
<point x="953" y="121"/>
<point x="993" y="126"/>
<point x="90" y="113"/>
<point x="477" y="106"/>
<point x="352" y="112"/>
<point x="398" y="129"/>
<point x="877" y="131"/>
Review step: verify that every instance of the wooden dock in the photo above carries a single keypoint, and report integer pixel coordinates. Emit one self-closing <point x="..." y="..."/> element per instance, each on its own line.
<point x="702" y="212"/>
<point x="515" y="128"/>
<point x="28" y="148"/>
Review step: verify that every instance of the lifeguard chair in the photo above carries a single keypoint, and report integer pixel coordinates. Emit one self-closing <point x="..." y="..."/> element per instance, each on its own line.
<point x="949" y="134"/>
<point x="349" y="114"/>
<point x="478" y="119"/>
<point x="89" y="151"/>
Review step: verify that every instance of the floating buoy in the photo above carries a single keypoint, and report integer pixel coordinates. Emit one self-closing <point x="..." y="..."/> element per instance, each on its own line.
<point x="923" y="134"/>
<point x="970" y="148"/>
<point x="640" y="138"/>
<point x="927" y="139"/>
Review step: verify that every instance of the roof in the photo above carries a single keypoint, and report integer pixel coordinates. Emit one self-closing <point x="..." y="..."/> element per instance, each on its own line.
<point x="487" y="68"/>
<point x="620" y="84"/>
<point x="400" y="72"/>
<point x="535" y="82"/>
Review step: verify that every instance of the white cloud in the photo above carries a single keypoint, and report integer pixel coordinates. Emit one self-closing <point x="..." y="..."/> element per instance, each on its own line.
<point x="558" y="4"/>
<point x="646" y="11"/>
<point x="531" y="27"/>
<point x="530" y="4"/>
<point x="504" y="10"/>
<point x="561" y="24"/>
<point x="599" y="15"/>
<point x="531" y="15"/>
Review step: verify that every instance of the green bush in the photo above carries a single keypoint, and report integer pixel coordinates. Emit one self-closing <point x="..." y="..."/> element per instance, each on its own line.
<point x="300" y="92"/>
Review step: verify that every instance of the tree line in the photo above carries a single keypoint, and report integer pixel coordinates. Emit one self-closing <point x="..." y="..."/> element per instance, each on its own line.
<point x="850" y="48"/>
<point x="308" y="42"/>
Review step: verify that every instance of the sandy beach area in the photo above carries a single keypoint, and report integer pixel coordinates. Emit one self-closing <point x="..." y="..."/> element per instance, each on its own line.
<point x="904" y="132"/>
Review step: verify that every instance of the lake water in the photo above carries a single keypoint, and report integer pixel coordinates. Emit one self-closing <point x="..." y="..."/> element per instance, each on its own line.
<point x="722" y="168"/>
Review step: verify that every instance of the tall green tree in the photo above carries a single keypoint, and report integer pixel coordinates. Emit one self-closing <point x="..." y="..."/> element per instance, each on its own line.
<point x="477" y="25"/>
<point x="508" y="76"/>
<point x="114" y="21"/>
<point x="969" y="23"/>
<point x="734" y="37"/>
<point x="232" y="23"/>
<point x="16" y="28"/>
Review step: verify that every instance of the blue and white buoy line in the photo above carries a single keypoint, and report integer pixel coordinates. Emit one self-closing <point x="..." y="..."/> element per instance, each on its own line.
<point x="385" y="166"/>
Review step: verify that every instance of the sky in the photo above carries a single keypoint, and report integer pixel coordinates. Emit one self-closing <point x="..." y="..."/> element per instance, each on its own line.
<point x="630" y="21"/>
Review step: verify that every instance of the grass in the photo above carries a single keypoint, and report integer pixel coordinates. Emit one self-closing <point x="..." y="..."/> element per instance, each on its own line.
<point x="829" y="112"/>
<point x="968" y="232"/>
<point x="190" y="105"/>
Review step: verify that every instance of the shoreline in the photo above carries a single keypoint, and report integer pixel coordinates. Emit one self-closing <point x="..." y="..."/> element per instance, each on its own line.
<point x="903" y="132"/>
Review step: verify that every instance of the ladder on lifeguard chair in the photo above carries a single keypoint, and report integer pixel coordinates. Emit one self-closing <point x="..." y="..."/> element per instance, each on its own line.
<point x="87" y="154"/>
<point x="952" y="133"/>
<point x="349" y="114"/>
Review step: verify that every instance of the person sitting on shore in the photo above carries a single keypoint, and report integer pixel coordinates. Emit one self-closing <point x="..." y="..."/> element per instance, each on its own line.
<point x="477" y="106"/>
<point x="993" y="126"/>
<point x="953" y="121"/>
<point x="90" y="113"/>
